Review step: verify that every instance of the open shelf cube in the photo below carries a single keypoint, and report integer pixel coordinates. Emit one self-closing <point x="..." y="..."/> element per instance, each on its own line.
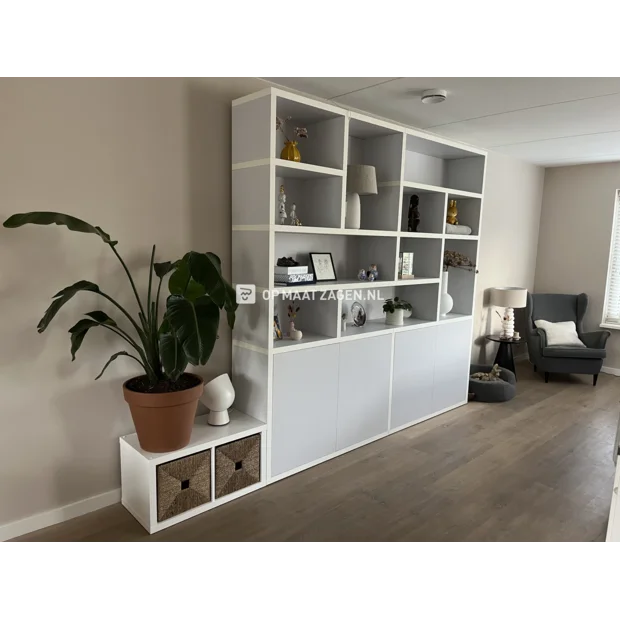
<point x="468" y="212"/>
<point x="350" y="253"/>
<point x="317" y="319"/>
<point x="376" y="145"/>
<point x="427" y="256"/>
<point x="432" y="208"/>
<point x="461" y="282"/>
<point x="326" y="128"/>
<point x="423" y="298"/>
<point x="434" y="163"/>
<point x="317" y="199"/>
<point x="380" y="146"/>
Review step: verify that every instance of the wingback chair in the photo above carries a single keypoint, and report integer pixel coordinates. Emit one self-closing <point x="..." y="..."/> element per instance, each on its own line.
<point x="578" y="360"/>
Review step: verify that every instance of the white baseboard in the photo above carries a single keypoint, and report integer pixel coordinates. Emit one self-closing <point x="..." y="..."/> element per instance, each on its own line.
<point x="608" y="370"/>
<point x="58" y="515"/>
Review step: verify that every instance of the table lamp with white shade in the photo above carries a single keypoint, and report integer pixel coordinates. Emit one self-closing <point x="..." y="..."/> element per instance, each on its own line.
<point x="361" y="181"/>
<point x="508" y="297"/>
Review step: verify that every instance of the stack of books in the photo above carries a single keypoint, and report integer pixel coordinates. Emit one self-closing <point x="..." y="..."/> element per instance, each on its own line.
<point x="292" y="276"/>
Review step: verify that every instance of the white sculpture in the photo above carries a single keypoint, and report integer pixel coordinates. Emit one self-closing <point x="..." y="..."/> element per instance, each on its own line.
<point x="218" y="396"/>
<point x="294" y="219"/>
<point x="282" y="205"/>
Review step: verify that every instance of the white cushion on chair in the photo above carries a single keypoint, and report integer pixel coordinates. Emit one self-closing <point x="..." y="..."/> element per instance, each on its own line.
<point x="563" y="334"/>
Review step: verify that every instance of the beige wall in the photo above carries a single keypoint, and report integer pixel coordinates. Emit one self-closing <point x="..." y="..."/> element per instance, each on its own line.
<point x="148" y="160"/>
<point x="509" y="240"/>
<point x="575" y="233"/>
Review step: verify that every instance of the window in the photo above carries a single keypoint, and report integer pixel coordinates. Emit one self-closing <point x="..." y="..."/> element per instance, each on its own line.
<point x="611" y="311"/>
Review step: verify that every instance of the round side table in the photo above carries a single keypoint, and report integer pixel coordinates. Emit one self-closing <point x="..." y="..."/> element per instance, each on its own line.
<point x="504" y="356"/>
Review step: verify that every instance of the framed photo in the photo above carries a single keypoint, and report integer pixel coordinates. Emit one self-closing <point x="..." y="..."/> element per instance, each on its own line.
<point x="323" y="266"/>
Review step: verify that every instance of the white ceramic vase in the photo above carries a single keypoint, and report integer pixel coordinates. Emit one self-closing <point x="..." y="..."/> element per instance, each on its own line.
<point x="354" y="211"/>
<point x="394" y="318"/>
<point x="445" y="300"/>
<point x="218" y="396"/>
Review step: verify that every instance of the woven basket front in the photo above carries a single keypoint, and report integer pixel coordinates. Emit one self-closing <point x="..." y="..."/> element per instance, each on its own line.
<point x="183" y="484"/>
<point x="237" y="465"/>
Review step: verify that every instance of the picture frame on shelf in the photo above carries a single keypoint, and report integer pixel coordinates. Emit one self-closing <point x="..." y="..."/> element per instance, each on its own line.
<point x="323" y="266"/>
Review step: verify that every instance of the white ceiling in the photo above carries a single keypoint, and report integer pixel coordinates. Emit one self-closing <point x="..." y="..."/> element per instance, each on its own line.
<point x="547" y="121"/>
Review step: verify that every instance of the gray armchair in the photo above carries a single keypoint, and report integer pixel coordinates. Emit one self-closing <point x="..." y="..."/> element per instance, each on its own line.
<point x="578" y="360"/>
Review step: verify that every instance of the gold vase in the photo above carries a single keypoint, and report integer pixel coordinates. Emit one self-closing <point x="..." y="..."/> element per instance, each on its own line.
<point x="290" y="151"/>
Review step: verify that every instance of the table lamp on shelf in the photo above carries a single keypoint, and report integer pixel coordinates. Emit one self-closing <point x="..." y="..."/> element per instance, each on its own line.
<point x="361" y="181"/>
<point x="508" y="297"/>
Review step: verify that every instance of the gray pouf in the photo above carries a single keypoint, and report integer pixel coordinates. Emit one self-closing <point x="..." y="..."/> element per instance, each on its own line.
<point x="492" y="391"/>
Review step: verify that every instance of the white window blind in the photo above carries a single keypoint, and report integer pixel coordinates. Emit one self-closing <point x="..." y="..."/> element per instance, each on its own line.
<point x="611" y="312"/>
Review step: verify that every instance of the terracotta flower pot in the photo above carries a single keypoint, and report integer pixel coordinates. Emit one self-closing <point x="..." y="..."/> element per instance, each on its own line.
<point x="164" y="421"/>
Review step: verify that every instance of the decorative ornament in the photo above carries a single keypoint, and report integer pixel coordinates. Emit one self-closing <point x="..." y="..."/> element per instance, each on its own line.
<point x="413" y="219"/>
<point x="282" y="205"/>
<point x="295" y="221"/>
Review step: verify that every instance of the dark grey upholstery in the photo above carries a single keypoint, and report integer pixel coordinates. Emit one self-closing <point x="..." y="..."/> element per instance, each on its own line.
<point x="492" y="391"/>
<point x="580" y="352"/>
<point x="556" y="308"/>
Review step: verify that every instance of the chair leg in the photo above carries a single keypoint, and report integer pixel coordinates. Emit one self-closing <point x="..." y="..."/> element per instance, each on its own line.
<point x="594" y="380"/>
<point x="546" y="377"/>
<point x="535" y="369"/>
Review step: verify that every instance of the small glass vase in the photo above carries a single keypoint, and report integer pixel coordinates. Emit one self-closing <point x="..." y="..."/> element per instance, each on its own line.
<point x="290" y="151"/>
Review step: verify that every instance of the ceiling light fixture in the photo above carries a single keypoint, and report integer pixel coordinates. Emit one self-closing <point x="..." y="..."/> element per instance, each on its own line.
<point x="434" y="95"/>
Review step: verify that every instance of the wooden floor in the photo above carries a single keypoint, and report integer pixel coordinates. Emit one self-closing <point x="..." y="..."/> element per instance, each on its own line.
<point x="538" y="468"/>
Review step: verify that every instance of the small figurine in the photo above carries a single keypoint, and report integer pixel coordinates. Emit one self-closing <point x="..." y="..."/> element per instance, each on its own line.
<point x="413" y="219"/>
<point x="295" y="221"/>
<point x="452" y="214"/>
<point x="282" y="205"/>
<point x="370" y="276"/>
<point x="362" y="275"/>
<point x="374" y="272"/>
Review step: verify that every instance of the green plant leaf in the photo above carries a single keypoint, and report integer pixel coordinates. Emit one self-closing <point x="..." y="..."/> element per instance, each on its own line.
<point x="78" y="332"/>
<point x="162" y="269"/>
<point x="101" y="317"/>
<point x="173" y="357"/>
<point x="61" y="298"/>
<point x="181" y="315"/>
<point x="208" y="323"/>
<point x="195" y="325"/>
<point x="115" y="356"/>
<point x="206" y="270"/>
<point x="44" y="218"/>
<point x="182" y="283"/>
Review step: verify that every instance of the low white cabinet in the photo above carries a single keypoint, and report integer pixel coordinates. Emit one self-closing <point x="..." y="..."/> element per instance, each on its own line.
<point x="431" y="371"/>
<point x="305" y="405"/>
<point x="363" y="389"/>
<point x="414" y="372"/>
<point x="329" y="398"/>
<point x="452" y="356"/>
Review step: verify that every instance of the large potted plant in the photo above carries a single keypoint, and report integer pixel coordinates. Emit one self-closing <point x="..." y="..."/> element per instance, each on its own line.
<point x="162" y="400"/>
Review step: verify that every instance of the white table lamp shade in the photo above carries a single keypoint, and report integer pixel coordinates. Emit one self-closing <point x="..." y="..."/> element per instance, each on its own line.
<point x="509" y="297"/>
<point x="361" y="180"/>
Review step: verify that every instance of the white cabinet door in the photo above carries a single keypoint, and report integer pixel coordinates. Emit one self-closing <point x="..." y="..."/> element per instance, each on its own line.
<point x="452" y="356"/>
<point x="305" y="400"/>
<point x="613" y="525"/>
<point x="364" y="389"/>
<point x="412" y="383"/>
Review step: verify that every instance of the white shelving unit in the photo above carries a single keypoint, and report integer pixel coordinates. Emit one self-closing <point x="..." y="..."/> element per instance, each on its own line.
<point x="337" y="389"/>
